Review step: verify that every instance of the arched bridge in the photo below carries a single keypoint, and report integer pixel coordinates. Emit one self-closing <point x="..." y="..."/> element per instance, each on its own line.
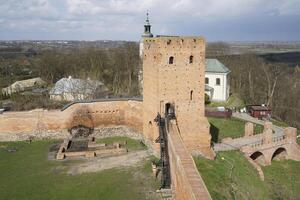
<point x="268" y="147"/>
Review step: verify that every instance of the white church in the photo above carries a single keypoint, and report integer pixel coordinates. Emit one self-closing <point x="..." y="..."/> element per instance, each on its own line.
<point x="216" y="80"/>
<point x="216" y="74"/>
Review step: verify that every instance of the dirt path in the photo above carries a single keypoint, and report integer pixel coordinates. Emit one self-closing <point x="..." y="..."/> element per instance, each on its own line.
<point x="99" y="164"/>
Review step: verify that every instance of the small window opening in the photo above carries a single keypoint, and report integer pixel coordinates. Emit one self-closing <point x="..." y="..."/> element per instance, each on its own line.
<point x="191" y="59"/>
<point x="191" y="95"/>
<point x="218" y="81"/>
<point x="206" y="80"/>
<point x="168" y="42"/>
<point x="171" y="60"/>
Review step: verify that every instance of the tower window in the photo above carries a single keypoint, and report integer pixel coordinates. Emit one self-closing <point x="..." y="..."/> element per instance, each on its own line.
<point x="171" y="60"/>
<point x="191" y="95"/>
<point x="168" y="42"/>
<point x="206" y="80"/>
<point x="191" y="59"/>
<point x="218" y="81"/>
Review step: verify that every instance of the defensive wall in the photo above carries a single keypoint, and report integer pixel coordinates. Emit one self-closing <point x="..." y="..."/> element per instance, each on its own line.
<point x="56" y="123"/>
<point x="186" y="180"/>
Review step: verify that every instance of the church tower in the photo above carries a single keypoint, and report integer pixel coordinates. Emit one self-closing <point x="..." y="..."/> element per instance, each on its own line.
<point x="147" y="34"/>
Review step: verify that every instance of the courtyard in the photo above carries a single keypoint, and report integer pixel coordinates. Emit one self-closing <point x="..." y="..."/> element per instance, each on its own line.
<point x="28" y="171"/>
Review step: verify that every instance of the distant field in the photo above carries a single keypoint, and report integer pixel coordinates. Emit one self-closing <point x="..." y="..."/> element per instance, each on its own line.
<point x="292" y="58"/>
<point x="28" y="174"/>
<point x="234" y="178"/>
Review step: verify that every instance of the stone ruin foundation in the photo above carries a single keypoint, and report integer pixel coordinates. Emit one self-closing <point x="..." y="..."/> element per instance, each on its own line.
<point x="87" y="147"/>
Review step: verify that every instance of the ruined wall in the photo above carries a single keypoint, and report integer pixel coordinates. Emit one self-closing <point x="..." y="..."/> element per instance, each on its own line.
<point x="186" y="180"/>
<point x="54" y="124"/>
<point x="180" y="83"/>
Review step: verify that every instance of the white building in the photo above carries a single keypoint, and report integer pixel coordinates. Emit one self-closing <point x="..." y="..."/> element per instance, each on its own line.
<point x="216" y="80"/>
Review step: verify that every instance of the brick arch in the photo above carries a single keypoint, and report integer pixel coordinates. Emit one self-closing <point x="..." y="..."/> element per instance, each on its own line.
<point x="81" y="116"/>
<point x="280" y="153"/>
<point x="259" y="158"/>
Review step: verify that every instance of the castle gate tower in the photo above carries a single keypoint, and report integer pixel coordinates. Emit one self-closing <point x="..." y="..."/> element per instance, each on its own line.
<point x="173" y="78"/>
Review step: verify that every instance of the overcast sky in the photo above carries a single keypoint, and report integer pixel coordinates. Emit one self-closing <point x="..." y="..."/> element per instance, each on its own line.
<point x="227" y="20"/>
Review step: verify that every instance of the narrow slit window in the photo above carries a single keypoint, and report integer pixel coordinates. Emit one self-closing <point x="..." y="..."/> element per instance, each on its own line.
<point x="191" y="59"/>
<point x="191" y="95"/>
<point x="171" y="60"/>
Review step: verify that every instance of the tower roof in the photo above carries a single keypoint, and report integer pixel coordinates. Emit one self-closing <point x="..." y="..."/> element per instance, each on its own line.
<point x="147" y="28"/>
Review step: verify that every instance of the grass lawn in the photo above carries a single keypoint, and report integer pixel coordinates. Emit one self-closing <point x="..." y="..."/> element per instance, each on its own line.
<point x="221" y="128"/>
<point x="132" y="145"/>
<point x="282" y="178"/>
<point x="28" y="174"/>
<point x="233" y="101"/>
<point x="279" y="123"/>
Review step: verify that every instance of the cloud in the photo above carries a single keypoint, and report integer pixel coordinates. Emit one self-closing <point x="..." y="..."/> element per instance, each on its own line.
<point x="109" y="7"/>
<point x="123" y="19"/>
<point x="20" y="9"/>
<point x="289" y="7"/>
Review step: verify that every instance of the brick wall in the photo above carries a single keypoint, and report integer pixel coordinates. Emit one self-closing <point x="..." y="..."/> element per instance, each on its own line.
<point x="94" y="114"/>
<point x="180" y="83"/>
<point x="186" y="180"/>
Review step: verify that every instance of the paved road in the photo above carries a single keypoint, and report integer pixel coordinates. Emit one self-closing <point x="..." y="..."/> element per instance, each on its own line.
<point x="239" y="142"/>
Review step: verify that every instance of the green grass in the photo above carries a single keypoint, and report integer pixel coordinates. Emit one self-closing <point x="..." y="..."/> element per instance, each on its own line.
<point x="233" y="101"/>
<point x="28" y="174"/>
<point x="221" y="128"/>
<point x="243" y="184"/>
<point x="282" y="178"/>
<point x="132" y="145"/>
<point x="279" y="123"/>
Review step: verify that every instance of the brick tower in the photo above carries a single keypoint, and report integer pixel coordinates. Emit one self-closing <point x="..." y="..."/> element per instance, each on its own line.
<point x="173" y="76"/>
